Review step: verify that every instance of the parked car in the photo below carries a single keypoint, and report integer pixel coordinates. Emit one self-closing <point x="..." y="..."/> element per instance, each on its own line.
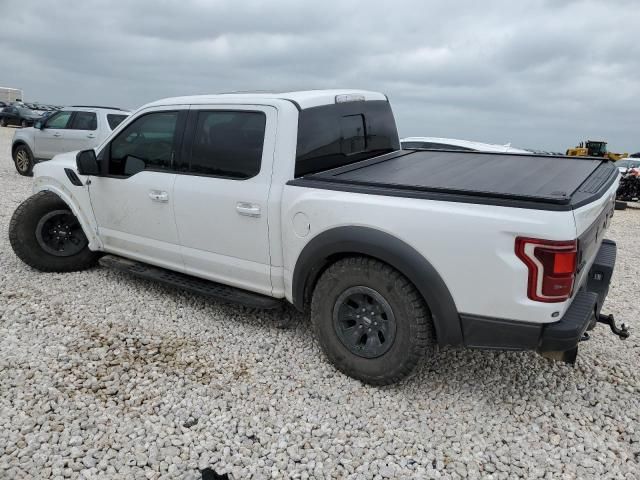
<point x="435" y="143"/>
<point x="74" y="128"/>
<point x="305" y="197"/>
<point x="20" y="116"/>
<point x="628" y="163"/>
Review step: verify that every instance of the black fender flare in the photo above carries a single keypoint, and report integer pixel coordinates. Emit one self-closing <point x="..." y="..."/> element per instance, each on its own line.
<point x="339" y="242"/>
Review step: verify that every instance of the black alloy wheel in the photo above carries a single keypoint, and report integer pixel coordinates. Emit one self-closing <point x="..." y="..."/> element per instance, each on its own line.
<point x="59" y="233"/>
<point x="364" y="322"/>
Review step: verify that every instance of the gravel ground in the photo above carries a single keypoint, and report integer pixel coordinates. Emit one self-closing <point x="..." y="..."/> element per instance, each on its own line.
<point x="103" y="374"/>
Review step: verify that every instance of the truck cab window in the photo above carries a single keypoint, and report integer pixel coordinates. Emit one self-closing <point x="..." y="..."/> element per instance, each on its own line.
<point x="228" y="144"/>
<point x="146" y="144"/>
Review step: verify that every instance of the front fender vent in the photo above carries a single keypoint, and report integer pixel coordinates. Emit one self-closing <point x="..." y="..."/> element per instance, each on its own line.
<point x="73" y="178"/>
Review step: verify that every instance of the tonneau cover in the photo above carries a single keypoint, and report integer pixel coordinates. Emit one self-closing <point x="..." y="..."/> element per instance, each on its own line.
<point x="527" y="180"/>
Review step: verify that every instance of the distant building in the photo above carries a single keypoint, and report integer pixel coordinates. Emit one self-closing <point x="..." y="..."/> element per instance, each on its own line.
<point x="10" y="94"/>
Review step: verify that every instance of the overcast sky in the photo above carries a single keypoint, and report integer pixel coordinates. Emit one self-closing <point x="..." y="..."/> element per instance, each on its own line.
<point x="536" y="73"/>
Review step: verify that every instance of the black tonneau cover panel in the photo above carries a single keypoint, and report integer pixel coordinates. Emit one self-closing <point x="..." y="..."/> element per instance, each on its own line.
<point x="520" y="180"/>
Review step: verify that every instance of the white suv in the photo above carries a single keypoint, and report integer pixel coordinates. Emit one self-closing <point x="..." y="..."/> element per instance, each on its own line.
<point x="72" y="128"/>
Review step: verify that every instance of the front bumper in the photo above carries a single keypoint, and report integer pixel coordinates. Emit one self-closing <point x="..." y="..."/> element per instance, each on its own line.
<point x="583" y="312"/>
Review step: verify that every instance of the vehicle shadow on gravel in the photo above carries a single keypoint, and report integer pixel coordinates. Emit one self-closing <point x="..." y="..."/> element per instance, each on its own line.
<point x="455" y="370"/>
<point x="279" y="318"/>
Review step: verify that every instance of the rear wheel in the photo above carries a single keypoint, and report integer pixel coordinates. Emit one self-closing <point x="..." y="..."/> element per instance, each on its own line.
<point x="370" y="320"/>
<point x="46" y="235"/>
<point x="3" y="122"/>
<point x="23" y="123"/>
<point x="23" y="160"/>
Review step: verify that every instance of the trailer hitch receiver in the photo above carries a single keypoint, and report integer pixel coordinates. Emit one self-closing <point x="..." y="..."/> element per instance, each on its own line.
<point x="622" y="331"/>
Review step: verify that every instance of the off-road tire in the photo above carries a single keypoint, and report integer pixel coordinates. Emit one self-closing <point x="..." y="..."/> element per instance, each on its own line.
<point x="22" y="236"/>
<point x="23" y="160"/>
<point x="414" y="335"/>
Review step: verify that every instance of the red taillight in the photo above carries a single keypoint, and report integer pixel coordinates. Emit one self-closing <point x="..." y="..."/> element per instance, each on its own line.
<point x="552" y="267"/>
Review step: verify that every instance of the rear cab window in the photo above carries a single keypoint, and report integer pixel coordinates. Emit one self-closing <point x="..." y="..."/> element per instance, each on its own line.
<point x="331" y="136"/>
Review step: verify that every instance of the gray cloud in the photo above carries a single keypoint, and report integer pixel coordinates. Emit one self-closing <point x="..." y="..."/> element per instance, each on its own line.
<point x="538" y="73"/>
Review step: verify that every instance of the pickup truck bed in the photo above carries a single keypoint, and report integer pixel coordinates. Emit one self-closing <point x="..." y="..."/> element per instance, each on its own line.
<point x="515" y="180"/>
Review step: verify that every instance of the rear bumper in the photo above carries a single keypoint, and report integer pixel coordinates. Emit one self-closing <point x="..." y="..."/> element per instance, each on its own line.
<point x="585" y="308"/>
<point x="561" y="336"/>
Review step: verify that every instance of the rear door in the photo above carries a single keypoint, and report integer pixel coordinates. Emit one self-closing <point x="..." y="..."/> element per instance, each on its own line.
<point x="82" y="132"/>
<point x="50" y="140"/>
<point x="222" y="191"/>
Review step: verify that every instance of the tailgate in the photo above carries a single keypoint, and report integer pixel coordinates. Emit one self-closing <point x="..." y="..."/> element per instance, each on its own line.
<point x="592" y="221"/>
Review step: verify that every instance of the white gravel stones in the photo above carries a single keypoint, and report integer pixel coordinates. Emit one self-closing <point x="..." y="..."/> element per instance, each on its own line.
<point x="105" y="375"/>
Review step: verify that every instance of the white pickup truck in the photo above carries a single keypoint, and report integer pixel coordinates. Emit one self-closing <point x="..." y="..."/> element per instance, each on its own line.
<point x="305" y="197"/>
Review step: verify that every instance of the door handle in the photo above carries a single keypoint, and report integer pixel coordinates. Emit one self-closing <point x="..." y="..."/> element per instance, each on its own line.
<point x="248" y="209"/>
<point x="57" y="134"/>
<point x="159" y="196"/>
<point x="91" y="135"/>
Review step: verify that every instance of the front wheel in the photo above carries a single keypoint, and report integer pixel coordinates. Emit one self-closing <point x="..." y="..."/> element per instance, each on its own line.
<point x="23" y="160"/>
<point x="370" y="320"/>
<point x="3" y="122"/>
<point x="45" y="235"/>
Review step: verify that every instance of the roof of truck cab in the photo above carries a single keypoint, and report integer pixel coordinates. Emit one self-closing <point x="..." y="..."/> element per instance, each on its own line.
<point x="302" y="99"/>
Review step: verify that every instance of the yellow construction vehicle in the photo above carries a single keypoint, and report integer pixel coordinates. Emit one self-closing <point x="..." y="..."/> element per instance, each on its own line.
<point x="593" y="148"/>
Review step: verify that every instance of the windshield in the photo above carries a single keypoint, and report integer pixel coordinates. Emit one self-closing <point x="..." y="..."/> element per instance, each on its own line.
<point x="26" y="111"/>
<point x="597" y="149"/>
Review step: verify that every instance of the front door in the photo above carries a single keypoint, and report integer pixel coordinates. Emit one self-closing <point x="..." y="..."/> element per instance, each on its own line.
<point x="133" y="199"/>
<point x="221" y="194"/>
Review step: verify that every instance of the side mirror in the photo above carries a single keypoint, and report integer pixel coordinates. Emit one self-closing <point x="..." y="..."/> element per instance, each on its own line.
<point x="39" y="124"/>
<point x="87" y="163"/>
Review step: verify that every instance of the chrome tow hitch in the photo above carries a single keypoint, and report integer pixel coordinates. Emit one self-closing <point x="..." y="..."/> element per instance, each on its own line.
<point x="622" y="331"/>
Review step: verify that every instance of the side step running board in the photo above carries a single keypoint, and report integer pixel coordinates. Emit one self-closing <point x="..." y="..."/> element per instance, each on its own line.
<point x="200" y="286"/>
